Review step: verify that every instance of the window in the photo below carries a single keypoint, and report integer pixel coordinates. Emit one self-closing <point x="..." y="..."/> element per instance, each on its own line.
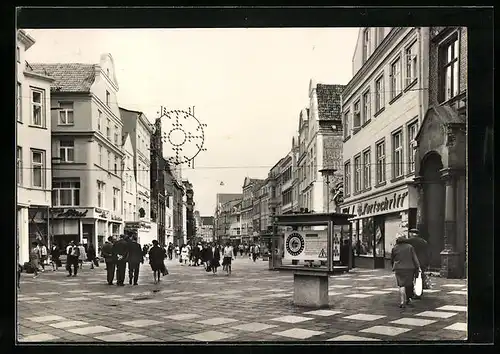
<point x="397" y="154"/>
<point x="19" y="101"/>
<point x="66" y="113"/>
<point x="107" y="98"/>
<point x="18" y="55"/>
<point x="347" y="125"/>
<point x="116" y="131"/>
<point x="357" y="174"/>
<point x="367" y="112"/>
<point x="379" y="93"/>
<point x="108" y="129"/>
<point x="367" y="169"/>
<point x="379" y="36"/>
<point x="380" y="155"/>
<point x="449" y="68"/>
<point x="411" y="63"/>
<point x="412" y="133"/>
<point x="99" y="149"/>
<point x="37" y="168"/>
<point x="19" y="165"/>
<point x="37" y="110"/>
<point x="347" y="178"/>
<point x="357" y="115"/>
<point x="366" y="44"/>
<point x="101" y="186"/>
<point x="67" y="150"/>
<point x="99" y="120"/>
<point x="116" y="192"/>
<point x="65" y="192"/>
<point x="395" y="78"/>
<point x="116" y="165"/>
<point x="109" y="161"/>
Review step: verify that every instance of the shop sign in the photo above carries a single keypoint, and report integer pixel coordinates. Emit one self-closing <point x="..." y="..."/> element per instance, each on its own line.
<point x="116" y="218"/>
<point x="394" y="202"/>
<point x="69" y="213"/>
<point x="101" y="213"/>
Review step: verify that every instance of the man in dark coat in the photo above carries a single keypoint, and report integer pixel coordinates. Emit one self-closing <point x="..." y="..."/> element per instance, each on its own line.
<point x="422" y="250"/>
<point x="135" y="258"/>
<point x="120" y="255"/>
<point x="107" y="254"/>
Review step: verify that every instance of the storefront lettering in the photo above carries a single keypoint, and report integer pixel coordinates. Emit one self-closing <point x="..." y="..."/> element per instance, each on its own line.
<point x="69" y="213"/>
<point x="104" y="214"/>
<point x="387" y="204"/>
<point x="116" y="218"/>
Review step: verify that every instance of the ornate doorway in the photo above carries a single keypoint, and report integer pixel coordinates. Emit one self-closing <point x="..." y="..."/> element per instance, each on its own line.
<point x="434" y="206"/>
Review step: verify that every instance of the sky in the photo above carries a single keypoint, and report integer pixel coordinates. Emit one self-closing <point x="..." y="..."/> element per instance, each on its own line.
<point x="247" y="85"/>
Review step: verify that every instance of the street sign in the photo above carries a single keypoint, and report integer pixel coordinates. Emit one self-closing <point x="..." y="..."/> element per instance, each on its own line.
<point x="322" y="253"/>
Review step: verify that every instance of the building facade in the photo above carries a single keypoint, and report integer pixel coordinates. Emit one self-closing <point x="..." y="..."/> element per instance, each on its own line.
<point x="139" y="129"/>
<point x="319" y="147"/>
<point x="235" y="221"/>
<point x="129" y="190"/>
<point x="190" y="217"/>
<point x="33" y="151"/>
<point x="169" y="217"/>
<point x="157" y="178"/>
<point x="383" y="106"/>
<point x="87" y="152"/>
<point x="221" y="218"/>
<point x="440" y="158"/>
<point x="175" y="191"/>
<point x="247" y="210"/>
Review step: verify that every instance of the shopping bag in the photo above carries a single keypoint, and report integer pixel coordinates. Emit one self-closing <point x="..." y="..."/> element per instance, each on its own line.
<point x="417" y="285"/>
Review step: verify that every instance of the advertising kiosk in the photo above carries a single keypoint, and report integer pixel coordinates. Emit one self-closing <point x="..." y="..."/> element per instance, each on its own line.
<point x="315" y="241"/>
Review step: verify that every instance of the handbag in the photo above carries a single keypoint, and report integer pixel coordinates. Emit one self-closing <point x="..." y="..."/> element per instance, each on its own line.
<point x="417" y="284"/>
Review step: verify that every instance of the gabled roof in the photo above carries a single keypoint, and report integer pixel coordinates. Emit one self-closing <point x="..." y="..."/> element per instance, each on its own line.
<point x="329" y="101"/>
<point x="68" y="77"/>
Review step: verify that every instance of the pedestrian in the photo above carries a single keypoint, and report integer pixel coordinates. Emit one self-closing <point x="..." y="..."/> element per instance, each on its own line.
<point x="135" y="258"/>
<point x="156" y="257"/>
<point x="240" y="248"/>
<point x="43" y="255"/>
<point x="184" y="254"/>
<point x="422" y="250"/>
<point x="177" y="251"/>
<point x="228" y="257"/>
<point x="107" y="254"/>
<point x="256" y="252"/>
<point x="82" y="256"/>
<point x="55" y="257"/>
<point x="170" y="250"/>
<point x="120" y="256"/>
<point x="35" y="258"/>
<point x="73" y="253"/>
<point x="91" y="256"/>
<point x="214" y="258"/>
<point x="405" y="265"/>
<point x="250" y="252"/>
<point x="235" y="251"/>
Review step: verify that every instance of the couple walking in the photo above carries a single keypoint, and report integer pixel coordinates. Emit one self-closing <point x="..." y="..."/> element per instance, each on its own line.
<point x="408" y="257"/>
<point x="117" y="254"/>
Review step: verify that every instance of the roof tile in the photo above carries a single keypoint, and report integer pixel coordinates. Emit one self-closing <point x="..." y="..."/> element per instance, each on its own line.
<point x="68" y="77"/>
<point x="329" y="101"/>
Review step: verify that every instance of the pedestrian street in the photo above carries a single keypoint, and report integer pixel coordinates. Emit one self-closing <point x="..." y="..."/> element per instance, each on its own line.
<point x="252" y="304"/>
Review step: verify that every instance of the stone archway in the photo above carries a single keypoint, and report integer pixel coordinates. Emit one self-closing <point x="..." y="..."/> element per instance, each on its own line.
<point x="434" y="195"/>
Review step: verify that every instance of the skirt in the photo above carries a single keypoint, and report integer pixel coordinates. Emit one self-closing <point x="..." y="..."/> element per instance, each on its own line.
<point x="404" y="277"/>
<point x="214" y="263"/>
<point x="226" y="261"/>
<point x="157" y="266"/>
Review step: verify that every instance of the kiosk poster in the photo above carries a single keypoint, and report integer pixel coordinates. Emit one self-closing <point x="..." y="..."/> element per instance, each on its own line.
<point x="306" y="245"/>
<point x="336" y="245"/>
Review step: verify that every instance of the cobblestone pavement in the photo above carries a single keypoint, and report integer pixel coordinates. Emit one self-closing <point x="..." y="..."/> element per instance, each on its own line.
<point x="253" y="304"/>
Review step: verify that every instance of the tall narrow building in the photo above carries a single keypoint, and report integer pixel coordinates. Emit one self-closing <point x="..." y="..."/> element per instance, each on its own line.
<point x="33" y="151"/>
<point x="87" y="151"/>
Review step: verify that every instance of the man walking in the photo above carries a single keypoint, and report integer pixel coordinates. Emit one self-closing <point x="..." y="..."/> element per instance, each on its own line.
<point x="170" y="250"/>
<point x="135" y="258"/>
<point x="256" y="251"/>
<point x="107" y="254"/>
<point x="73" y="253"/>
<point x="120" y="255"/>
<point x="35" y="258"/>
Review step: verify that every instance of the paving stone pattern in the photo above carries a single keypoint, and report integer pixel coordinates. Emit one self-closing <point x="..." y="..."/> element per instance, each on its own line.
<point x="253" y="304"/>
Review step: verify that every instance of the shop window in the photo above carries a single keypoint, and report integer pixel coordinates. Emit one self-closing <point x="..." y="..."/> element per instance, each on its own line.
<point x="366" y="233"/>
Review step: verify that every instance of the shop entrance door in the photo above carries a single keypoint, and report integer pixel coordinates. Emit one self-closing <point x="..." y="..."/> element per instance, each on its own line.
<point x="379" y="242"/>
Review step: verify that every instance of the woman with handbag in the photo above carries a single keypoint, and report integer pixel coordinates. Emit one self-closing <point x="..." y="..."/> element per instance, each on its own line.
<point x="406" y="267"/>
